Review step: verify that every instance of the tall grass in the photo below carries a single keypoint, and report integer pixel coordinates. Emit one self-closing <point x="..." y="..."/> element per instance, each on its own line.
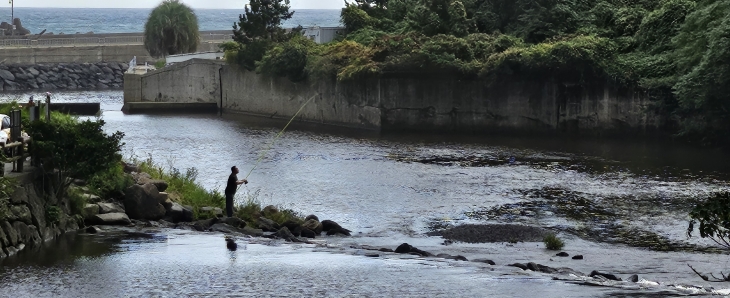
<point x="251" y="210"/>
<point x="183" y="187"/>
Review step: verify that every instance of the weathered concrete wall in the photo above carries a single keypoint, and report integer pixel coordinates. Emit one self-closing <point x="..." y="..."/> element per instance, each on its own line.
<point x="132" y="87"/>
<point x="349" y="105"/>
<point x="84" y="54"/>
<point x="191" y="81"/>
<point x="411" y="102"/>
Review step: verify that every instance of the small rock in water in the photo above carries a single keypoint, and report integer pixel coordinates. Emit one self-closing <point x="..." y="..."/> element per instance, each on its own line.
<point x="577" y="257"/>
<point x="634" y="278"/>
<point x="448" y="242"/>
<point x="604" y="275"/>
<point x="372" y="255"/>
<point x="490" y="262"/>
<point x="563" y="254"/>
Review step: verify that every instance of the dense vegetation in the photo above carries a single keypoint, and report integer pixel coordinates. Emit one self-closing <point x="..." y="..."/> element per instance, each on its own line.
<point x="677" y="51"/>
<point x="171" y="28"/>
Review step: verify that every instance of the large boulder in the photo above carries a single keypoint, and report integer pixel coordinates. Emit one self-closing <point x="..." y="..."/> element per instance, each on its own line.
<point x="333" y="228"/>
<point x="313" y="225"/>
<point x="21" y="213"/>
<point x="7" y="75"/>
<point x="177" y="213"/>
<point x="105" y="208"/>
<point x="111" y="219"/>
<point x="143" y="202"/>
<point x="10" y="233"/>
<point x="268" y="225"/>
<point x="90" y="210"/>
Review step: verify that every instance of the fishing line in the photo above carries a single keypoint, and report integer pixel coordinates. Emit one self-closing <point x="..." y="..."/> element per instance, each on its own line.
<point x="271" y="144"/>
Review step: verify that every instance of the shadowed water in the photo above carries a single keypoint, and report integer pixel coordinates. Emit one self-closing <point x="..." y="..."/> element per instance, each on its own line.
<point x="622" y="205"/>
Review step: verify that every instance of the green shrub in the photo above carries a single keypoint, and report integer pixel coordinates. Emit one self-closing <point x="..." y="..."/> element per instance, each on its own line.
<point x="53" y="214"/>
<point x="77" y="201"/>
<point x="552" y="242"/>
<point x="7" y="187"/>
<point x="160" y="63"/>
<point x="183" y="187"/>
<point x="251" y="210"/>
<point x="111" y="181"/>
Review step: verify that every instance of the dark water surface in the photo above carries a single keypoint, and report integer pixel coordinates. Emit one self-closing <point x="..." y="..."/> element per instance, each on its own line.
<point x="622" y="205"/>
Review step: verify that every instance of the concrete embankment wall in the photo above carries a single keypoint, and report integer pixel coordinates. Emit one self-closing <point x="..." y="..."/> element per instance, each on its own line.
<point x="410" y="102"/>
<point x="25" y="223"/>
<point x="84" y="54"/>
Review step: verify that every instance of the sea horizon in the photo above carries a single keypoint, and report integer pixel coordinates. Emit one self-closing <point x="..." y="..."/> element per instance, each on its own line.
<point x="131" y="20"/>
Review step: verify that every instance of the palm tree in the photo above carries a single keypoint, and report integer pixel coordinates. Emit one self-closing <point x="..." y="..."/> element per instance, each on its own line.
<point x="172" y="28"/>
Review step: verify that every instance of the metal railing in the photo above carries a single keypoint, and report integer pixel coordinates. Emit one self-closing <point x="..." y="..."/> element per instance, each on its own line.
<point x="65" y="42"/>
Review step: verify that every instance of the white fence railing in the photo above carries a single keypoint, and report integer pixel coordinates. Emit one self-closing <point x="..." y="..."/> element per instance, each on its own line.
<point x="119" y="40"/>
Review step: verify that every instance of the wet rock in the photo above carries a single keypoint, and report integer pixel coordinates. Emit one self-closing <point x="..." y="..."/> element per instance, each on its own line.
<point x="268" y="225"/>
<point x="110" y="208"/>
<point x="3" y="239"/>
<point x="93" y="230"/>
<point x="407" y="248"/>
<point x="252" y="232"/>
<point x="608" y="276"/>
<point x="291" y="224"/>
<point x="372" y="255"/>
<point x="490" y="262"/>
<point x="233" y="221"/>
<point x="634" y="278"/>
<point x="142" y="202"/>
<point x="269" y="210"/>
<point x="386" y="250"/>
<point x="333" y="228"/>
<point x="313" y="225"/>
<point x="450" y="257"/>
<point x="177" y="213"/>
<point x="562" y="254"/>
<point x="307" y="233"/>
<point x="285" y="234"/>
<point x="11" y="251"/>
<point x="213" y="211"/>
<point x="110" y="219"/>
<point x="577" y="257"/>
<point x="447" y="242"/>
<point x="519" y="265"/>
<point x="311" y="216"/>
<point x="90" y="210"/>
<point x="224" y="228"/>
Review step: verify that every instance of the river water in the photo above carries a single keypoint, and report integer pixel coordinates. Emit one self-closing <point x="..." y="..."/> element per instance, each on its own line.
<point x="622" y="205"/>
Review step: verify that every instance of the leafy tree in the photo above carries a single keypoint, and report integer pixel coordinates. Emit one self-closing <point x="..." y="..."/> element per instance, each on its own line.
<point x="172" y="28"/>
<point x="257" y="29"/>
<point x="75" y="149"/>
<point x="262" y="21"/>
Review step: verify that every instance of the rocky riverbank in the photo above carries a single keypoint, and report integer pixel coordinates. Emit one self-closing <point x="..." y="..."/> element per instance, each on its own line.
<point x="33" y="215"/>
<point x="63" y="76"/>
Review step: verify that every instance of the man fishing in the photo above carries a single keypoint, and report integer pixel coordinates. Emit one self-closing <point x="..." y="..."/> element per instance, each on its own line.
<point x="231" y="187"/>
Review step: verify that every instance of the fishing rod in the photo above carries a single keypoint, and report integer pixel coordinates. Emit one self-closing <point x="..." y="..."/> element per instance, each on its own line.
<point x="271" y="144"/>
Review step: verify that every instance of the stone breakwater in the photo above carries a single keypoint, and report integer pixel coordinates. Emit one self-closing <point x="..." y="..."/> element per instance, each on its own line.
<point x="63" y="76"/>
<point x="32" y="216"/>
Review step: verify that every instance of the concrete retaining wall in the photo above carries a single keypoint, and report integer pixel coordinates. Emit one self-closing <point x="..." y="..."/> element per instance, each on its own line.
<point x="84" y="54"/>
<point x="411" y="102"/>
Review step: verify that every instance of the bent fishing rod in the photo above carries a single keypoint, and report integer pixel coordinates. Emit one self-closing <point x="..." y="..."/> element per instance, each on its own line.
<point x="271" y="144"/>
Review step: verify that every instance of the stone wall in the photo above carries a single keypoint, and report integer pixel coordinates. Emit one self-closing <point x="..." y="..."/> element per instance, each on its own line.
<point x="26" y="225"/>
<point x="413" y="102"/>
<point x="63" y="76"/>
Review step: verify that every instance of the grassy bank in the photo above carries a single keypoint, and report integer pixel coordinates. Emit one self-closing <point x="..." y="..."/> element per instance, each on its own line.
<point x="185" y="190"/>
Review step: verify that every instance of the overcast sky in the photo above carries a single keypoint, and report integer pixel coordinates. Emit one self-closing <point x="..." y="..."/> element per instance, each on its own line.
<point x="222" y="4"/>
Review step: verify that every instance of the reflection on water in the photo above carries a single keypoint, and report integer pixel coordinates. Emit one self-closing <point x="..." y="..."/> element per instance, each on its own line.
<point x="392" y="189"/>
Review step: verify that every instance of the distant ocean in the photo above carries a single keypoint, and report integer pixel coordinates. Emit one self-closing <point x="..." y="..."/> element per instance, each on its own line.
<point x="123" y="20"/>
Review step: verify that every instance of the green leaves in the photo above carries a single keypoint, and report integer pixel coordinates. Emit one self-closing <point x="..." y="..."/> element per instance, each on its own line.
<point x="76" y="149"/>
<point x="171" y="28"/>
<point x="713" y="217"/>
